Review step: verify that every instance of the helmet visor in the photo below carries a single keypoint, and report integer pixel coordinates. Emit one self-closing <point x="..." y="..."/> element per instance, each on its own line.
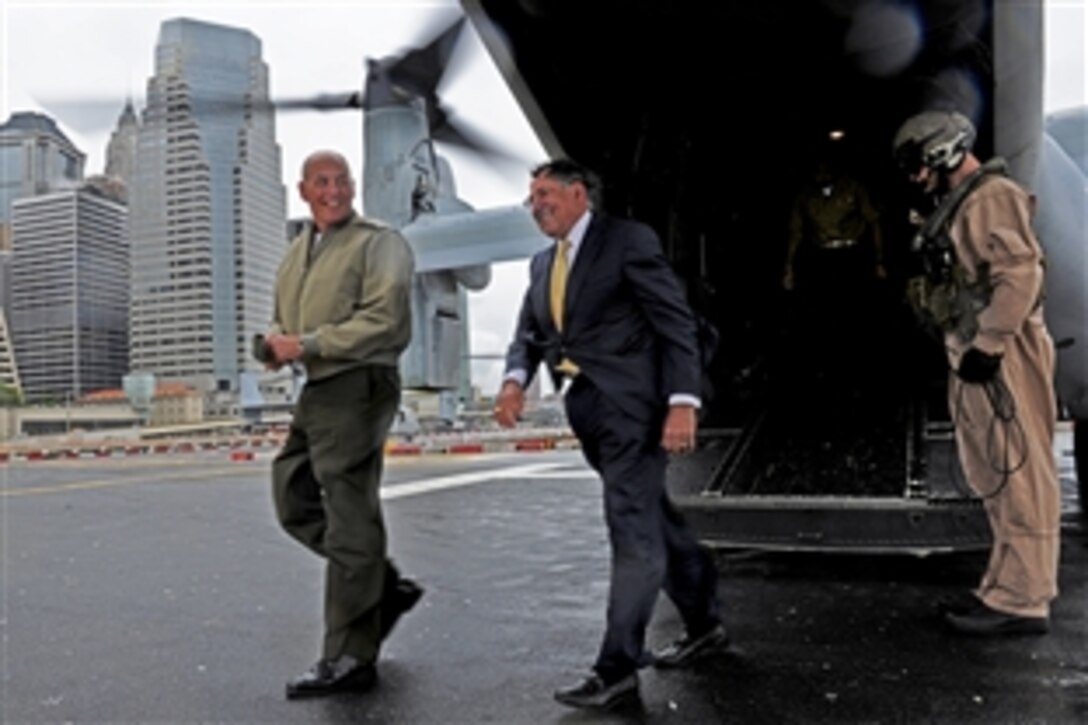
<point x="909" y="157"/>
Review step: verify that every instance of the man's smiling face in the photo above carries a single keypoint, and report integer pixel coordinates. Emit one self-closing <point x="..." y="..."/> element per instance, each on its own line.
<point x="557" y="206"/>
<point x="329" y="190"/>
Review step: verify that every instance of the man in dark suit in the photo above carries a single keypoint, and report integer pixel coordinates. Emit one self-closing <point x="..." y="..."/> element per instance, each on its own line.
<point x="617" y="333"/>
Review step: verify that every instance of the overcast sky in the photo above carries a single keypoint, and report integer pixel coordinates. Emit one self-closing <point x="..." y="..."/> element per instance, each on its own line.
<point x="1065" y="84"/>
<point x="90" y="52"/>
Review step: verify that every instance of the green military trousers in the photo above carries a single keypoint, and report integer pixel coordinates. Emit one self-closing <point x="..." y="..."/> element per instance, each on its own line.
<point x="325" y="485"/>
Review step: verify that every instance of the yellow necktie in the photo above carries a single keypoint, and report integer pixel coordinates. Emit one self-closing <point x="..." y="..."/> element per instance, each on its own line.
<point x="559" y="282"/>
<point x="558" y="296"/>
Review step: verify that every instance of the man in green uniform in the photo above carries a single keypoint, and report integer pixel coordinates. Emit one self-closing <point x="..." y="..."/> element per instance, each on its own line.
<point x="834" y="258"/>
<point x="1001" y="391"/>
<point x="342" y="310"/>
<point x="835" y="217"/>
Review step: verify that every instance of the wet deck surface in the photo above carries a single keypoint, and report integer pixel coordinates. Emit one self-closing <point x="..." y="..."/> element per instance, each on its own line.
<point x="163" y="590"/>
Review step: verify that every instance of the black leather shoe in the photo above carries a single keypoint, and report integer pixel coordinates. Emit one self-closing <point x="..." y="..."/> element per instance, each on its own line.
<point x="396" y="600"/>
<point x="688" y="648"/>
<point x="329" y="677"/>
<point x="983" y="621"/>
<point x="593" y="692"/>
<point x="962" y="603"/>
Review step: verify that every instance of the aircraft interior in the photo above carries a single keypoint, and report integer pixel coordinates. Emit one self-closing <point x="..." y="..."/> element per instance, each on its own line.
<point x="705" y="120"/>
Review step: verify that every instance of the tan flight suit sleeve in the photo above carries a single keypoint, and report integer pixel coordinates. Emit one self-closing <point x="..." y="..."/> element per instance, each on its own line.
<point x="994" y="228"/>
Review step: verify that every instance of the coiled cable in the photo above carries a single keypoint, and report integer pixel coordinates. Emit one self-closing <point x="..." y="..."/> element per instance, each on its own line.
<point x="1005" y="434"/>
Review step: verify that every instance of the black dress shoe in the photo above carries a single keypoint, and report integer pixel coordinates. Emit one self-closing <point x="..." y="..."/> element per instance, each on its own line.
<point x="593" y="692"/>
<point x="329" y="677"/>
<point x="398" y="598"/>
<point x="983" y="621"/>
<point x="961" y="603"/>
<point x="690" y="647"/>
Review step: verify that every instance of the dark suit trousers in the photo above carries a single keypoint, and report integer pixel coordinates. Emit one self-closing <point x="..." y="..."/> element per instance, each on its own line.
<point x="652" y="549"/>
<point x="325" y="486"/>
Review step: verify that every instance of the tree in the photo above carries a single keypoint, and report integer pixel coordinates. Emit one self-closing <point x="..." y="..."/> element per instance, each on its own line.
<point x="10" y="396"/>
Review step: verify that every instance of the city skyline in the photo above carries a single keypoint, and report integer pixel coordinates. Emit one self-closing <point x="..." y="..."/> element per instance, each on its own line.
<point x="113" y="44"/>
<point x="302" y="63"/>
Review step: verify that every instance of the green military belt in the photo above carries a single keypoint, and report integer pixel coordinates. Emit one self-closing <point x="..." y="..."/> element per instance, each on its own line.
<point x="837" y="243"/>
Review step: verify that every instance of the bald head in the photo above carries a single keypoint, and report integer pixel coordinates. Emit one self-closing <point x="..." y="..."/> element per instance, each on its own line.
<point x="326" y="156"/>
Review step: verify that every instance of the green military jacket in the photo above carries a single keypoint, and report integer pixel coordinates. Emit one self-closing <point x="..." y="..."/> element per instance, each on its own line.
<point x="835" y="212"/>
<point x="350" y="299"/>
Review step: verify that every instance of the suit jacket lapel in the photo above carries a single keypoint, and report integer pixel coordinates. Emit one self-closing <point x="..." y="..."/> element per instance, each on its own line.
<point x="583" y="262"/>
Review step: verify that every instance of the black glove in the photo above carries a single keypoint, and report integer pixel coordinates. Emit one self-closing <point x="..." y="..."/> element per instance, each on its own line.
<point x="978" y="367"/>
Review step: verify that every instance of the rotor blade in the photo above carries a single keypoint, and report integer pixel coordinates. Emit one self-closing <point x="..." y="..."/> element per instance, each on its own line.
<point x="95" y="115"/>
<point x="86" y="115"/>
<point x="459" y="134"/>
<point x="323" y="102"/>
<point x="421" y="69"/>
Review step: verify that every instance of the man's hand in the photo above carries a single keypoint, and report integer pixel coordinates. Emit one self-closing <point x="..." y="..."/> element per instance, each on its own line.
<point x="679" y="433"/>
<point x="284" y="348"/>
<point x="263" y="353"/>
<point x="510" y="403"/>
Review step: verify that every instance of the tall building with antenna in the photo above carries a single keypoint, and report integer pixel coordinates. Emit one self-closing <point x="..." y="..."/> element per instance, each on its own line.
<point x="207" y="208"/>
<point x="121" y="150"/>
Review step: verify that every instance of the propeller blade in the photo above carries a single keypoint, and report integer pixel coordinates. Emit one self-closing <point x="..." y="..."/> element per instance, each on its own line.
<point x="420" y="70"/>
<point x="352" y="100"/>
<point x="86" y="115"/>
<point x="96" y="115"/>
<point x="460" y="135"/>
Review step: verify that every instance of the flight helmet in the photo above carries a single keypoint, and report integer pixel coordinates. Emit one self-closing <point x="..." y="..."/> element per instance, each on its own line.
<point x="938" y="140"/>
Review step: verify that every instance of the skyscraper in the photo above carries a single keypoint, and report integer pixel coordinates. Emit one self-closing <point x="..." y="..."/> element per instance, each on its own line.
<point x="35" y="157"/>
<point x="69" y="308"/>
<point x="9" y="371"/>
<point x="208" y="207"/>
<point x="121" y="150"/>
<point x="5" y="276"/>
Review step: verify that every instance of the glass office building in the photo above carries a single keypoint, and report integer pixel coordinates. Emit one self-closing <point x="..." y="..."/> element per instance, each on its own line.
<point x="207" y="208"/>
<point x="69" y="306"/>
<point x="35" y="157"/>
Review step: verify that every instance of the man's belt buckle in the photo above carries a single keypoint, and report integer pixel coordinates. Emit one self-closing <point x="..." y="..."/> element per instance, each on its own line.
<point x="838" y="243"/>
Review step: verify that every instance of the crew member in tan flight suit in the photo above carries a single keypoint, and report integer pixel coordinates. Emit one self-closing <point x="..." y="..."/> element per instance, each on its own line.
<point x="1001" y="395"/>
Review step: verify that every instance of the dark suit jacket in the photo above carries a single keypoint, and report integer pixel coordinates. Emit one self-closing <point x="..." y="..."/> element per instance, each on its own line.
<point x="627" y="324"/>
